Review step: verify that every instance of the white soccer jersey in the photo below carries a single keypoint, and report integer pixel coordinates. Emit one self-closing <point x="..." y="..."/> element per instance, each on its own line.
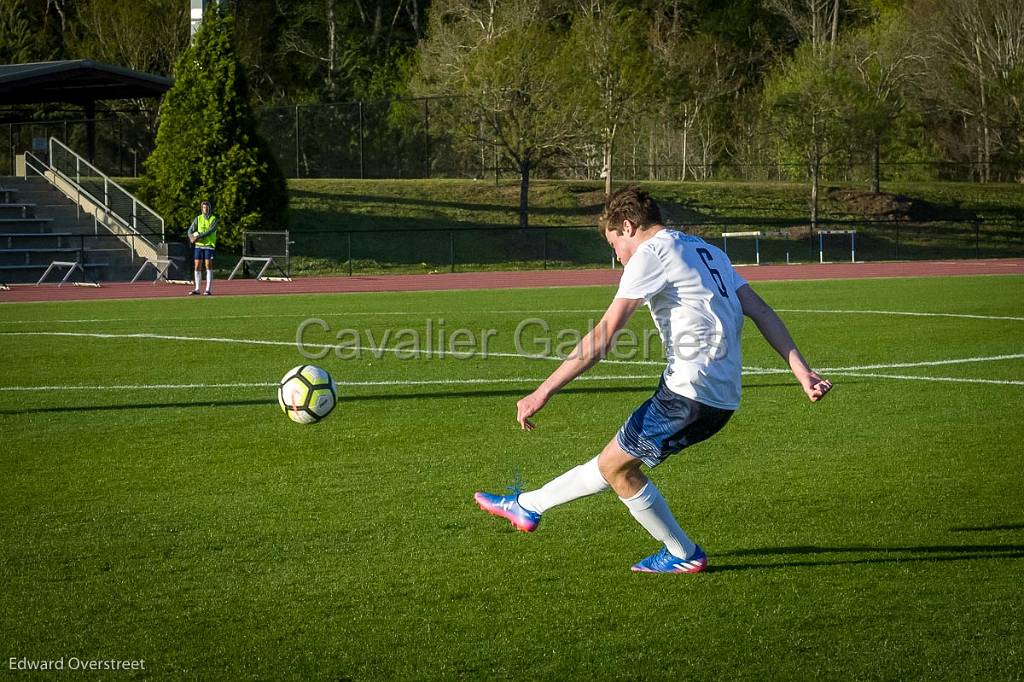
<point x="690" y="287"/>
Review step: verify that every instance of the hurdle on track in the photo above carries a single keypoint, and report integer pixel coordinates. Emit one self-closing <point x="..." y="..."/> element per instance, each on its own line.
<point x="161" y="267"/>
<point x="266" y="250"/>
<point x="853" y="243"/>
<point x="757" y="242"/>
<point x="72" y="267"/>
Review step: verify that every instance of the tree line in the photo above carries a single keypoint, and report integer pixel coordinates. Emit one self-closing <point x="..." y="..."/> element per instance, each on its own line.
<point x="791" y="87"/>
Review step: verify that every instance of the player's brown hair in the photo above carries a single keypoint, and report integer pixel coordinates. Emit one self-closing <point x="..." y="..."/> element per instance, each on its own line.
<point x="632" y="204"/>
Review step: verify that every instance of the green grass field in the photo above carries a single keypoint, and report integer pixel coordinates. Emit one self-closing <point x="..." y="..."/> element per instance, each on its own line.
<point x="877" y="535"/>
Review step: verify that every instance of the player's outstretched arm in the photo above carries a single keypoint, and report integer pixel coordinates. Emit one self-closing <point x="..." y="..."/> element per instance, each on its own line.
<point x="594" y="346"/>
<point x="775" y="333"/>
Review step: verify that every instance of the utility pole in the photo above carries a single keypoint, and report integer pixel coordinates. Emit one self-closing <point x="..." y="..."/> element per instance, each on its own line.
<point x="196" y="17"/>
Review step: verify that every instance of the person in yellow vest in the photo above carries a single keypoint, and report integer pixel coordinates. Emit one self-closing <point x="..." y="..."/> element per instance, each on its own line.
<point x="203" y="235"/>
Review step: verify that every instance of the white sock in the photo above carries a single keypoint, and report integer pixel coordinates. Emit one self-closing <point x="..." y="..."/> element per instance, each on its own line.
<point x="651" y="510"/>
<point x="209" y="280"/>
<point x="198" y="276"/>
<point x="586" y="479"/>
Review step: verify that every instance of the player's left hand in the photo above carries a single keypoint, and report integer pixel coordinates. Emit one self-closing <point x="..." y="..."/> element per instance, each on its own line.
<point x="816" y="387"/>
<point x="527" y="407"/>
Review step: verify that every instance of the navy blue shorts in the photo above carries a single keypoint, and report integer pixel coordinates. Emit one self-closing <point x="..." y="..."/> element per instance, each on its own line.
<point x="204" y="253"/>
<point x="666" y="423"/>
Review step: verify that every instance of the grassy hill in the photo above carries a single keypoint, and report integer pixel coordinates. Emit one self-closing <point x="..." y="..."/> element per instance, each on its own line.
<point x="431" y="204"/>
<point x="373" y="226"/>
<point x="426" y="225"/>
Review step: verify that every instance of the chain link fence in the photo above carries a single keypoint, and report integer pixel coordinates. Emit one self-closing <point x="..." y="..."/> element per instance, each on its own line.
<point x="435" y="138"/>
<point x="369" y="251"/>
<point x="388" y="251"/>
<point x="122" y="142"/>
<point x="784" y="241"/>
<point x="360" y="252"/>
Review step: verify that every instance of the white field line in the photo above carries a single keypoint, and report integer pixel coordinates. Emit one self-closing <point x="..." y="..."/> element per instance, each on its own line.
<point x="421" y="382"/>
<point x="957" y="380"/>
<point x="456" y="382"/>
<point x="532" y="313"/>
<point x="136" y="387"/>
<point x="340" y="313"/>
<point x="927" y="363"/>
<point x="164" y="318"/>
<point x="380" y="350"/>
<point x="899" y="313"/>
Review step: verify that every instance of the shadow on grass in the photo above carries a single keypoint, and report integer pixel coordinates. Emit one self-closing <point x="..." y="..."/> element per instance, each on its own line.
<point x="1002" y="526"/>
<point x="136" y="406"/>
<point x="488" y="393"/>
<point x="881" y="555"/>
<point x="361" y="200"/>
<point x="204" y="404"/>
<point x="526" y="387"/>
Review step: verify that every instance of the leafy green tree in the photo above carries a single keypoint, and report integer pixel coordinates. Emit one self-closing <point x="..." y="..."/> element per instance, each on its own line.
<point x="1013" y="92"/>
<point x="144" y="35"/>
<point x="817" y="109"/>
<point x="207" y="146"/>
<point x="506" y="64"/>
<point x="326" y="50"/>
<point x="614" y="67"/>
<point x="700" y="76"/>
<point x="975" y="58"/>
<point x="887" y="60"/>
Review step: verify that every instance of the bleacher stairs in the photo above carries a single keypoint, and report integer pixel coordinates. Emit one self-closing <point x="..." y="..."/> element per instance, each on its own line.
<point x="39" y="225"/>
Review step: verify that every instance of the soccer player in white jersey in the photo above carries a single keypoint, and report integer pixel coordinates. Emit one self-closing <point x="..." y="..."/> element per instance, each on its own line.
<point x="698" y="302"/>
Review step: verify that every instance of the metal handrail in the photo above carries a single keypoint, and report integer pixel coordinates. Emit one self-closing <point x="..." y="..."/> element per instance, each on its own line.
<point x="80" y="192"/>
<point x="107" y="181"/>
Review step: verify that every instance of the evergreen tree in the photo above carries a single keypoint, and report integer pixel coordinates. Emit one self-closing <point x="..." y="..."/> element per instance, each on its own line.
<point x="18" y="39"/>
<point x="207" y="146"/>
<point x="32" y="32"/>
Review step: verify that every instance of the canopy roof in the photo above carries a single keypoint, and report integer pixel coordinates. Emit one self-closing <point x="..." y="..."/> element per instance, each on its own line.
<point x="78" y="81"/>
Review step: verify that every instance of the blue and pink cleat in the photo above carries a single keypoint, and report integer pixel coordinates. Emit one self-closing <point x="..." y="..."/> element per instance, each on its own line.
<point x="664" y="562"/>
<point x="508" y="507"/>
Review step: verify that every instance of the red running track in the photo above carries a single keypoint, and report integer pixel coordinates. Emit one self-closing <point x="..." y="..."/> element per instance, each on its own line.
<point x="502" y="280"/>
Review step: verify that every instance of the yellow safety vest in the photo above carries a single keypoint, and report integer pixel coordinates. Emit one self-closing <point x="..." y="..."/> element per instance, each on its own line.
<point x="202" y="225"/>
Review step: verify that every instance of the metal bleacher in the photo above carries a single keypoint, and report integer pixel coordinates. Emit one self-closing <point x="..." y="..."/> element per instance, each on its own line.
<point x="30" y="242"/>
<point x="62" y="211"/>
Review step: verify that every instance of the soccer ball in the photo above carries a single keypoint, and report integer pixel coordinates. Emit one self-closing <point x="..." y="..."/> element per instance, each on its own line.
<point x="307" y="394"/>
